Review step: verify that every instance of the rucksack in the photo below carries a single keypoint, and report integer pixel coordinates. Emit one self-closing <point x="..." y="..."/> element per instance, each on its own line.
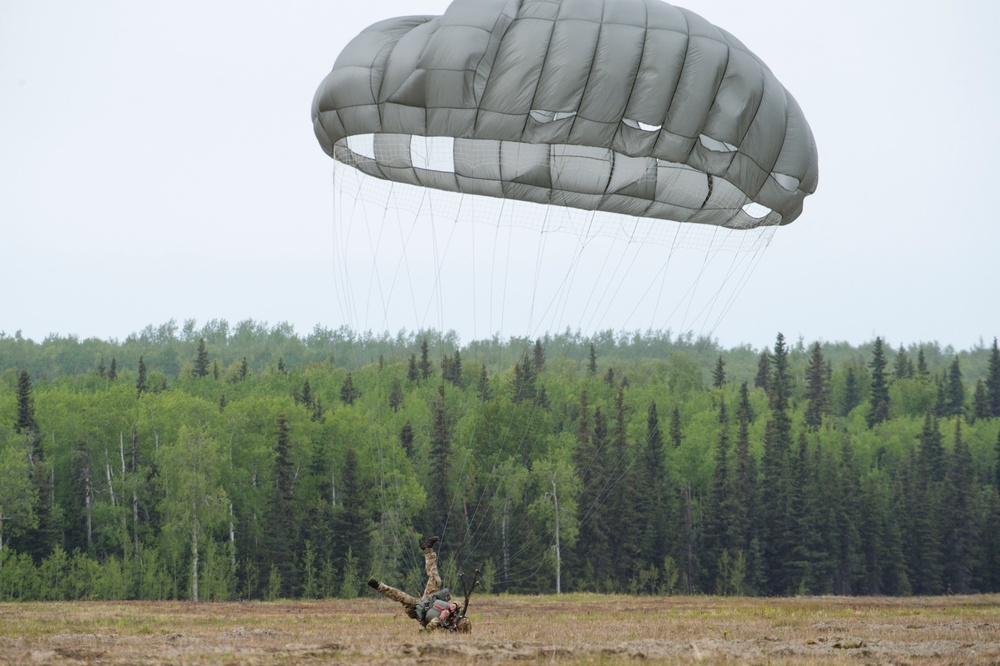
<point x="429" y="602"/>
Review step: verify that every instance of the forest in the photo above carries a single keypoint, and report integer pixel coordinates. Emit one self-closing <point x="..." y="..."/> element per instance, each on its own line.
<point x="252" y="462"/>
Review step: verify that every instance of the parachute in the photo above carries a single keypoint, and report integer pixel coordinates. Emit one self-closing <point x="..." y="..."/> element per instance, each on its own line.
<point x="633" y="107"/>
<point x="539" y="162"/>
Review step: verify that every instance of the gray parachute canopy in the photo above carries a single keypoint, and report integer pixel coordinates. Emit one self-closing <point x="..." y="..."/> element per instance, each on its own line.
<point x="626" y="106"/>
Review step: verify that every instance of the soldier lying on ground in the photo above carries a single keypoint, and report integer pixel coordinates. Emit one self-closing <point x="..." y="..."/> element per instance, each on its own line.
<point x="434" y="610"/>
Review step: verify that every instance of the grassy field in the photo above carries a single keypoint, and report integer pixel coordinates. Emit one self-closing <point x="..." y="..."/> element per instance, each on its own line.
<point x="586" y="629"/>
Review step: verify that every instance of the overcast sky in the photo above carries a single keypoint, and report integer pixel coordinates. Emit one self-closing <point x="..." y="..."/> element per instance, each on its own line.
<point x="157" y="162"/>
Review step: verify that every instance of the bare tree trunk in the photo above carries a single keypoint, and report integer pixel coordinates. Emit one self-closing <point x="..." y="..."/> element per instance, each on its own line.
<point x="135" y="495"/>
<point x="107" y="468"/>
<point x="121" y="451"/>
<point x="87" y="492"/>
<point x="506" y="545"/>
<point x="555" y="499"/>
<point x="194" y="551"/>
<point x="232" y="533"/>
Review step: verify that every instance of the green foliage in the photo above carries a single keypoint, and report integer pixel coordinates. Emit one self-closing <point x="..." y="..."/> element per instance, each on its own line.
<point x="153" y="479"/>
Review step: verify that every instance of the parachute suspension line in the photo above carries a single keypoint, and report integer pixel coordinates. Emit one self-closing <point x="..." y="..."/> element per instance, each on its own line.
<point x="386" y="470"/>
<point x="618" y="278"/>
<point x="341" y="229"/>
<point x="539" y="254"/>
<point x="474" y="258"/>
<point x="750" y="266"/>
<point x="439" y="259"/>
<point x="569" y="278"/>
<point x="506" y="281"/>
<point x="405" y="239"/>
<point x="493" y="272"/>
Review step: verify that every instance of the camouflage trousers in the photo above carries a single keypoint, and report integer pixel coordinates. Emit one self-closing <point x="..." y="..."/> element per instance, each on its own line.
<point x="432" y="586"/>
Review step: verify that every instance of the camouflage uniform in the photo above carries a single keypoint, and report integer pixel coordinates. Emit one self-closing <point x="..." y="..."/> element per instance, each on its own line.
<point x="432" y="586"/>
<point x="433" y="596"/>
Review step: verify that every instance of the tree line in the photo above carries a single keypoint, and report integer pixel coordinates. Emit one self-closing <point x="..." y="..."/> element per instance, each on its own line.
<point x="253" y="463"/>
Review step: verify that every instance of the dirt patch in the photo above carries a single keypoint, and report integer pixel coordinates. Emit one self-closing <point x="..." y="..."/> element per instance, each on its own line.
<point x="588" y="629"/>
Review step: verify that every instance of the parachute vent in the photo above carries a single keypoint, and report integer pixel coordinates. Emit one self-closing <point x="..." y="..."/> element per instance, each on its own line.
<point x="716" y="145"/>
<point x="756" y="211"/>
<point x="636" y="124"/>
<point x="541" y="116"/>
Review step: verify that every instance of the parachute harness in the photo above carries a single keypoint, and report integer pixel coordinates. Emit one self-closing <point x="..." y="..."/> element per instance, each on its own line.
<point x="467" y="591"/>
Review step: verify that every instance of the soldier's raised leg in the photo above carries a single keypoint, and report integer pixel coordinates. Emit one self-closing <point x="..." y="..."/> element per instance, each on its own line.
<point x="430" y="565"/>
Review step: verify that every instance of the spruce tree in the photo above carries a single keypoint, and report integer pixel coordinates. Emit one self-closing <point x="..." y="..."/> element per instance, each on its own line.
<point x="455" y="370"/>
<point x="980" y="402"/>
<point x="25" y="422"/>
<point x="593" y="548"/>
<point x="352" y="526"/>
<point x="439" y="505"/>
<point x="280" y="533"/>
<point x="592" y="360"/>
<point x="406" y="439"/>
<point x="802" y="545"/>
<point x="879" y="409"/>
<point x="624" y="498"/>
<point x="745" y="482"/>
<point x="425" y="359"/>
<point x="654" y="545"/>
<point x="922" y="371"/>
<point x="719" y="374"/>
<point x="524" y="381"/>
<point x="763" y="378"/>
<point x="923" y="547"/>
<point x="538" y="356"/>
<point x="903" y="367"/>
<point x="412" y="371"/>
<point x="959" y="520"/>
<point x="201" y="361"/>
<point x="852" y="392"/>
<point x="113" y="370"/>
<point x="954" y="391"/>
<point x="348" y="394"/>
<point x="931" y="456"/>
<point x="817" y="394"/>
<point x="676" y="432"/>
<point x="993" y="380"/>
<point x="244" y="369"/>
<point x="140" y="382"/>
<point x="542" y="398"/>
<point x="775" y="528"/>
<point x="720" y="510"/>
<point x="745" y="406"/>
<point x="483" y="390"/>
<point x="847" y="520"/>
<point x="996" y="469"/>
<point x="396" y="395"/>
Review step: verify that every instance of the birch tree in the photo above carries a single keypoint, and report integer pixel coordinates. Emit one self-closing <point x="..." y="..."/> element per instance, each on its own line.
<point x="194" y="503"/>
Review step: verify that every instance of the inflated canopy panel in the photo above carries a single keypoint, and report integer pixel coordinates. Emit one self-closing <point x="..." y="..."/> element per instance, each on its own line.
<point x="626" y="106"/>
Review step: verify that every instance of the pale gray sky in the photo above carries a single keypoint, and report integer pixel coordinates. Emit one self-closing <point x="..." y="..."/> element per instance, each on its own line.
<point x="157" y="161"/>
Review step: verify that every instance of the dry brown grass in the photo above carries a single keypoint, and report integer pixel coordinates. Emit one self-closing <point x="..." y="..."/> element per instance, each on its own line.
<point x="588" y="629"/>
